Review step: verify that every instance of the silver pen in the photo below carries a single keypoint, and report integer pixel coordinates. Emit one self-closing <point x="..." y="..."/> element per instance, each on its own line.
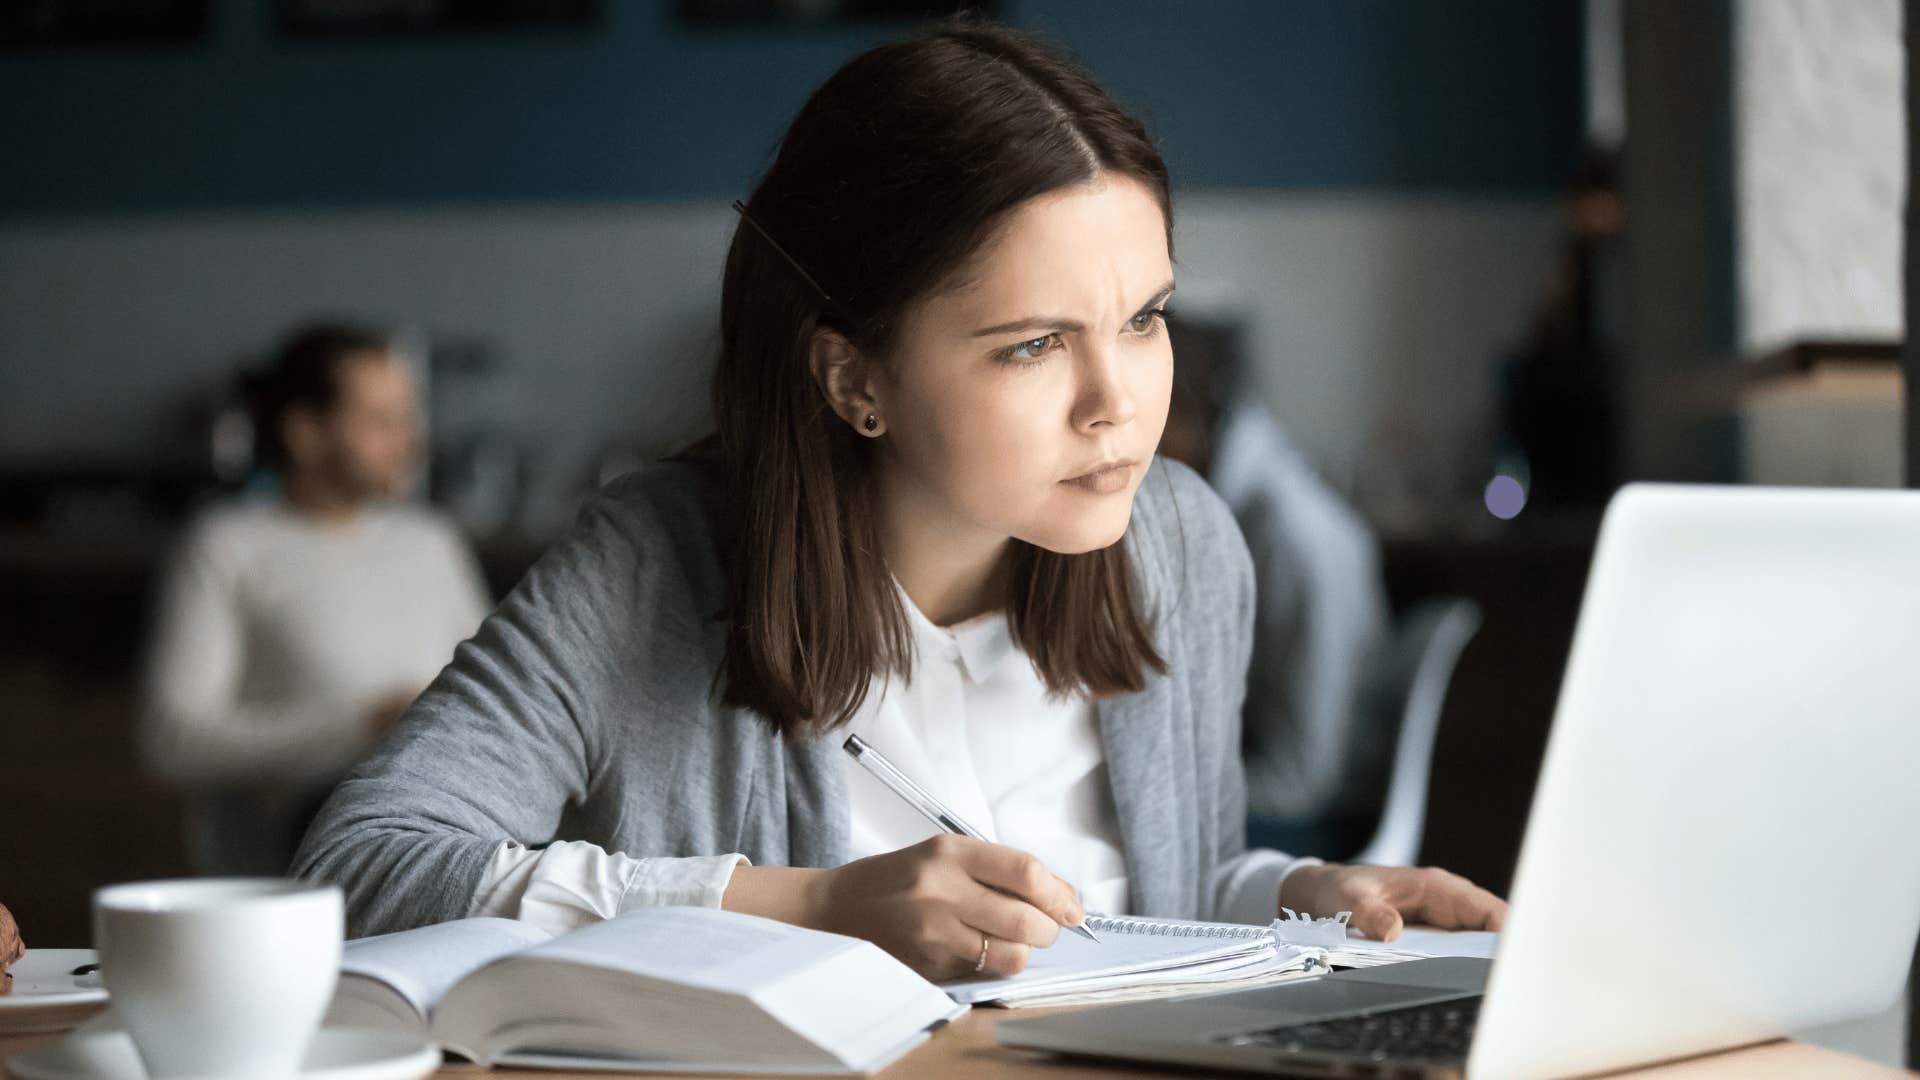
<point x="920" y="799"/>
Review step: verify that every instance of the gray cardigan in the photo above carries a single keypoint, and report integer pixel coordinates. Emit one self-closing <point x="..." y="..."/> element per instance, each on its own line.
<point x="583" y="710"/>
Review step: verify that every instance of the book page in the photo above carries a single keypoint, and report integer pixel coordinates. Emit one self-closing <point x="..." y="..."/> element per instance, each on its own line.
<point x="422" y="964"/>
<point x="876" y="1001"/>
<point x="723" y="951"/>
<point x="693" y="988"/>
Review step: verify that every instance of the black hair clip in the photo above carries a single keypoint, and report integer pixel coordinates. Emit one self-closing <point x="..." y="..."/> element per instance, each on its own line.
<point x="791" y="261"/>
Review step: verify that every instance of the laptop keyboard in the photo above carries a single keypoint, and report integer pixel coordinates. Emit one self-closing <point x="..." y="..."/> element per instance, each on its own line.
<point x="1438" y="1032"/>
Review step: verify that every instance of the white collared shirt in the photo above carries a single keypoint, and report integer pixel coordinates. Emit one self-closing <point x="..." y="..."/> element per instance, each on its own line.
<point x="976" y="727"/>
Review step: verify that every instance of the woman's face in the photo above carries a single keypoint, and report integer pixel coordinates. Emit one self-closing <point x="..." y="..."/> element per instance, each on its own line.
<point x="1027" y="402"/>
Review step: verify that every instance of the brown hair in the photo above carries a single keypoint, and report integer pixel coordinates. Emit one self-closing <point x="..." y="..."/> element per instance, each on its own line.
<point x="896" y="171"/>
<point x="304" y="374"/>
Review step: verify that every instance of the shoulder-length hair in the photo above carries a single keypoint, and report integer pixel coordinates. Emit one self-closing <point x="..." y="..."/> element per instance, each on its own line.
<point x="896" y="171"/>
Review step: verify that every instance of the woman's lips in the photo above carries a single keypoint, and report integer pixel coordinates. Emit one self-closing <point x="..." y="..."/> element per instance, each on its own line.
<point x="1106" y="479"/>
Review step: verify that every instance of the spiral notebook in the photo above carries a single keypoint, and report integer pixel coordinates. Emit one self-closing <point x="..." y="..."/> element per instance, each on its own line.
<point x="1133" y="954"/>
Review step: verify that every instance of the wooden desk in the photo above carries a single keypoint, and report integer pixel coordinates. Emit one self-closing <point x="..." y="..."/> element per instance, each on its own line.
<point x="966" y="1049"/>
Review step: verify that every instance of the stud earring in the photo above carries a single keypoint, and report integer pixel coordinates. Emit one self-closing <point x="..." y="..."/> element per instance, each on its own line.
<point x="872" y="423"/>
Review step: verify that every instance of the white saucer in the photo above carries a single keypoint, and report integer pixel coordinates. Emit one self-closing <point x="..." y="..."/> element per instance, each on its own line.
<point x="45" y="977"/>
<point x="336" y="1054"/>
<point x="47" y="995"/>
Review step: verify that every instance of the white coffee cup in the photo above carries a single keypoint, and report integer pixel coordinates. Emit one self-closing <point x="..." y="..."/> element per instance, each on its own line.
<point x="219" y="977"/>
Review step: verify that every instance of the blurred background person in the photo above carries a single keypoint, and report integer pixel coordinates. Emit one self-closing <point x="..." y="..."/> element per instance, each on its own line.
<point x="294" y="628"/>
<point x="1558" y="409"/>
<point x="1314" y="720"/>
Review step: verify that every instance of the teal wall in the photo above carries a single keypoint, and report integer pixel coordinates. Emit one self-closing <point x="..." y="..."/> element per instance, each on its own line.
<point x="1475" y="96"/>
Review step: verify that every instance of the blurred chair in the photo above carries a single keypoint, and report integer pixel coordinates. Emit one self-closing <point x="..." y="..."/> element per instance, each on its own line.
<point x="1427" y="646"/>
<point x="1380" y="813"/>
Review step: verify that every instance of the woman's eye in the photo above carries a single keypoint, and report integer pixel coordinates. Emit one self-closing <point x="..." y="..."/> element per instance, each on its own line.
<point x="1029" y="350"/>
<point x="1143" y="322"/>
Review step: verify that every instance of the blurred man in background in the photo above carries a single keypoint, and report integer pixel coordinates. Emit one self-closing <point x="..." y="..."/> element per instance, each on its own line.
<point x="293" y="630"/>
<point x="1313" y="727"/>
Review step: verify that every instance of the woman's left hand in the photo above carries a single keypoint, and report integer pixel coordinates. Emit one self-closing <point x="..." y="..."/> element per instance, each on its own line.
<point x="1385" y="898"/>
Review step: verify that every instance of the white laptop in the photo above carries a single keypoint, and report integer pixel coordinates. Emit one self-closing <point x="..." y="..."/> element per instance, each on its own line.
<point x="1725" y="840"/>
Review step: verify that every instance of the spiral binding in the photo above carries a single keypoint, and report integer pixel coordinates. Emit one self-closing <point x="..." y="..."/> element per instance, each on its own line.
<point x="1121" y="924"/>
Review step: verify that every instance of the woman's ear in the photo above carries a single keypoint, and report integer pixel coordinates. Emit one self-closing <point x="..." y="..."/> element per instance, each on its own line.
<point x="846" y="378"/>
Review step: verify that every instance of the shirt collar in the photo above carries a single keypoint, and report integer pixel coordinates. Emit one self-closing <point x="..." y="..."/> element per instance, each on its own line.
<point x="979" y="645"/>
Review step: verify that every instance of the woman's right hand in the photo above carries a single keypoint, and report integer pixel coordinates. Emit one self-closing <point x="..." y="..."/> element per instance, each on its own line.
<point x="931" y="905"/>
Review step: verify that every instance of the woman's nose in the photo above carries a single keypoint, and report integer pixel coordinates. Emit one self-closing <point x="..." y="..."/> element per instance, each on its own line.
<point x="1105" y="399"/>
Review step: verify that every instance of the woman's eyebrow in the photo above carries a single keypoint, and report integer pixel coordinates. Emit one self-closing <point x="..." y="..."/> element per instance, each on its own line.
<point x="1061" y="322"/>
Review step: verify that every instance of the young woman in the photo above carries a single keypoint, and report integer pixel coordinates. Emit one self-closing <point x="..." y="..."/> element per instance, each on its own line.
<point x="931" y="516"/>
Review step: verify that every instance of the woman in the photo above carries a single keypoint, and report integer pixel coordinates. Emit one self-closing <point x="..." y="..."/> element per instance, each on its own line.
<point x="931" y="516"/>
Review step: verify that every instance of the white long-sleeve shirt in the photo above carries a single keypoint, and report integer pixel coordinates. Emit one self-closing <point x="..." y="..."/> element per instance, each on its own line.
<point x="976" y="727"/>
<point x="276" y="636"/>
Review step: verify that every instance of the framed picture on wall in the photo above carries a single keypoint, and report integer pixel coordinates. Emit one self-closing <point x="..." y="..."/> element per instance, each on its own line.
<point x="777" y="13"/>
<point x="30" y="24"/>
<point x="358" y="18"/>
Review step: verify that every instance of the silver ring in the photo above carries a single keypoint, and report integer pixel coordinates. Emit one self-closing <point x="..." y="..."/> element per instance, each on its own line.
<point x="980" y="965"/>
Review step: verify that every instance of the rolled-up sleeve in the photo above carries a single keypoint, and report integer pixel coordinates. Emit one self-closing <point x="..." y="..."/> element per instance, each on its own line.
<point x="571" y="883"/>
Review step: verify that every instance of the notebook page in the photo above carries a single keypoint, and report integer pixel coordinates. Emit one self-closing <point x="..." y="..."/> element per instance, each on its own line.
<point x="1480" y="943"/>
<point x="1206" y="971"/>
<point x="1195" y="928"/>
<point x="1108" y="962"/>
<point x="1420" y="942"/>
<point x="421" y="965"/>
<point x="1287" y="964"/>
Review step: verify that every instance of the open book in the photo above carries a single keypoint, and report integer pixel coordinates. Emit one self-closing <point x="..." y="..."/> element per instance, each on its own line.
<point x="675" y="988"/>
